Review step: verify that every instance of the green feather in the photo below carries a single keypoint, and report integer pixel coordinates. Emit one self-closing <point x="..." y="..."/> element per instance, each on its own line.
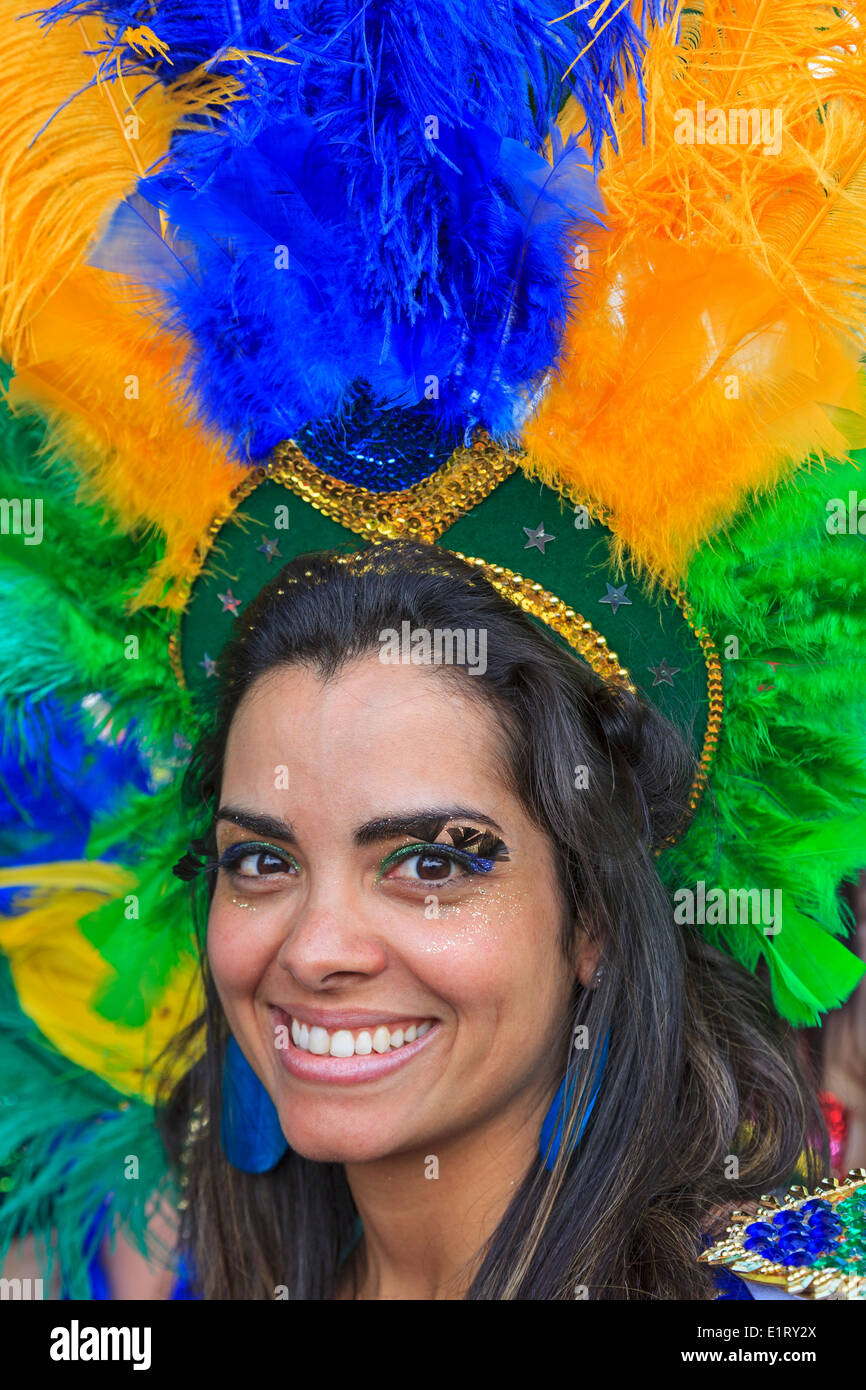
<point x="70" y="595"/>
<point x="786" y="803"/>
<point x="66" y="1142"/>
<point x="151" y="833"/>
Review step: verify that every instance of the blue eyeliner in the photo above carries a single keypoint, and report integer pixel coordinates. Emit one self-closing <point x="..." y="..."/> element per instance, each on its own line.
<point x="475" y="863"/>
<point x="234" y="853"/>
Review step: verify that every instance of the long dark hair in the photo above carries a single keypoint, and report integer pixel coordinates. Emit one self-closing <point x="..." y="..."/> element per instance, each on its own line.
<point x="702" y="1106"/>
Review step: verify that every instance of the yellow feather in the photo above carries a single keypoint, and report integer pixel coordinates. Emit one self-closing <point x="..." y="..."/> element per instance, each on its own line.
<point x="57" y="975"/>
<point x="718" y="327"/>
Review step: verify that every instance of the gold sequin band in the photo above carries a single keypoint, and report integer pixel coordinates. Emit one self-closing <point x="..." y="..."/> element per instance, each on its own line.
<point x="421" y="512"/>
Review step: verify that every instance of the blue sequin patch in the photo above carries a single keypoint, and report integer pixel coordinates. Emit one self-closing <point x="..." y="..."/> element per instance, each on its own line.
<point x="376" y="448"/>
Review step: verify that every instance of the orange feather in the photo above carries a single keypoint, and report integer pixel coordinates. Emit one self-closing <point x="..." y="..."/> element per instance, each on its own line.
<point x="716" y="345"/>
<point x="82" y="341"/>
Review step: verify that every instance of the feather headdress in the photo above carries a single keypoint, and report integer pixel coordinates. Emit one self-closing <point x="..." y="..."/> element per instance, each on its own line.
<point x="362" y="234"/>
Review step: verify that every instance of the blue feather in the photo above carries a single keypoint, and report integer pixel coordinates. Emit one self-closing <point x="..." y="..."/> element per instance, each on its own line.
<point x="57" y="777"/>
<point x="355" y="65"/>
<point x="289" y="302"/>
<point x="377" y="210"/>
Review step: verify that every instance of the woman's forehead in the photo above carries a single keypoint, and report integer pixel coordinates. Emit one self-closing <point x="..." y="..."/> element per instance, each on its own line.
<point x="362" y="684"/>
<point x="366" y="743"/>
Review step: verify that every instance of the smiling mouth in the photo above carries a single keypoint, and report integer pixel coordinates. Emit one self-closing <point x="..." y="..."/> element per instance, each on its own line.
<point x="344" y="1043"/>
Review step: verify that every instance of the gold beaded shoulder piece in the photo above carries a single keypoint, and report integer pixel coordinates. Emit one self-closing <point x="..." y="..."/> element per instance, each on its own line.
<point x="812" y="1245"/>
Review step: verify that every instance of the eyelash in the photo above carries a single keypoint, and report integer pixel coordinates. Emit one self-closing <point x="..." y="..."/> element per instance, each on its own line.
<point x="472" y="864"/>
<point x="234" y="854"/>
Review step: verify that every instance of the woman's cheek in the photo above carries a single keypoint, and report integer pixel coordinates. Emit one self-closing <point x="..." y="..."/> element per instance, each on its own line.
<point x="238" y="950"/>
<point x="498" y="953"/>
<point x="469" y="946"/>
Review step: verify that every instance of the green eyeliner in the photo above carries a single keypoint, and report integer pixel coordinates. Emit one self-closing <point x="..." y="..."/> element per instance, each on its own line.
<point x="476" y="863"/>
<point x="234" y="853"/>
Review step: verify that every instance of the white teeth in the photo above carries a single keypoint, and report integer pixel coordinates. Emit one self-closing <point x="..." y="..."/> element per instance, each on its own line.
<point x="343" y="1043"/>
<point x="381" y="1039"/>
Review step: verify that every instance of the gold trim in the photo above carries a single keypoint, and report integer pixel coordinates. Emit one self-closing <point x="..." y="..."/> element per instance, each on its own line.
<point x="712" y="661"/>
<point x="532" y="598"/>
<point x="192" y="571"/>
<point x="175" y="658"/>
<point x="541" y="603"/>
<point x="584" y="639"/>
<point x="422" y="512"/>
<point x="803" y="1280"/>
<point x="715" y="698"/>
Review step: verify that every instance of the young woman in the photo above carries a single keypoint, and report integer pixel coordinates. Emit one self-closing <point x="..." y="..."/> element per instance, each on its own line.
<point x="437" y="935"/>
<point x="523" y="288"/>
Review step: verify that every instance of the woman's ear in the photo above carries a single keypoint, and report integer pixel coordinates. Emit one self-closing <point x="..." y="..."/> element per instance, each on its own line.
<point x="586" y="961"/>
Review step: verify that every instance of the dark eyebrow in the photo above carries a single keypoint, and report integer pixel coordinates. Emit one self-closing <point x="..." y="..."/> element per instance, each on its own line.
<point x="425" y="824"/>
<point x="270" y="826"/>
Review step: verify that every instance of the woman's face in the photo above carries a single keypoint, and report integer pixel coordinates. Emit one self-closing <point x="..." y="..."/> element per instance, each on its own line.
<point x="386" y="999"/>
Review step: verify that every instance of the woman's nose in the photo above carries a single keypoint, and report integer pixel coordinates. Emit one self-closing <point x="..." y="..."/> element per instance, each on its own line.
<point x="333" y="933"/>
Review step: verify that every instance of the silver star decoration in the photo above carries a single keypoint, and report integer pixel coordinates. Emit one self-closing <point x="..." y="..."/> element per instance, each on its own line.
<point x="209" y="665"/>
<point x="538" y="538"/>
<point x="269" y="548"/>
<point x="615" y="597"/>
<point x="229" y="602"/>
<point x="664" y="674"/>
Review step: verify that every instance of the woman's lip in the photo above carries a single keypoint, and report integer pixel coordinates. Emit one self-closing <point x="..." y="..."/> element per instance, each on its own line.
<point x="332" y="1019"/>
<point x="347" y="1071"/>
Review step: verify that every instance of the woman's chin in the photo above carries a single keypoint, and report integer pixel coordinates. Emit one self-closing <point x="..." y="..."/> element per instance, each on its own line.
<point x="323" y="1144"/>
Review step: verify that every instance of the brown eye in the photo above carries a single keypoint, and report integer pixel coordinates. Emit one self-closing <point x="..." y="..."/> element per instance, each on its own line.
<point x="427" y="866"/>
<point x="433" y="866"/>
<point x="256" y="861"/>
<point x="261" y="863"/>
<point x="445" y="867"/>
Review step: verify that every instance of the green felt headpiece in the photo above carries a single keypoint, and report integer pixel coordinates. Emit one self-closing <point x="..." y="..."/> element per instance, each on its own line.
<point x="543" y="549"/>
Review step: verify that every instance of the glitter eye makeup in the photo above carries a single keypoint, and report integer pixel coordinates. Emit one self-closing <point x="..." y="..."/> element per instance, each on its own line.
<point x="235" y="855"/>
<point x="196" y="860"/>
<point x="470" y="853"/>
<point x="486" y="849"/>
